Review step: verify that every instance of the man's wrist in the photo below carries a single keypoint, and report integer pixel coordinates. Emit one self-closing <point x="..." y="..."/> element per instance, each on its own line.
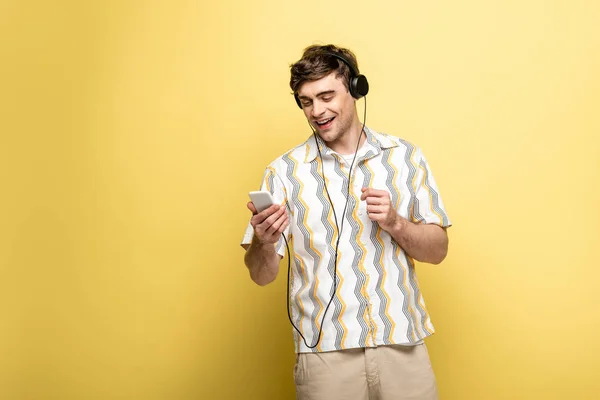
<point x="398" y="227"/>
<point x="259" y="244"/>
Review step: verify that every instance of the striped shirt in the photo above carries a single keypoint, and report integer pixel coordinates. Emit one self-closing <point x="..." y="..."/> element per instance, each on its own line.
<point x="377" y="300"/>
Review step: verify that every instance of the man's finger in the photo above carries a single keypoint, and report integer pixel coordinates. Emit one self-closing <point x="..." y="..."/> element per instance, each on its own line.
<point x="377" y="201"/>
<point x="375" y="209"/>
<point x="277" y="224"/>
<point x="378" y="193"/>
<point x="262" y="216"/>
<point x="271" y="210"/>
<point x="273" y="216"/>
<point x="370" y="192"/>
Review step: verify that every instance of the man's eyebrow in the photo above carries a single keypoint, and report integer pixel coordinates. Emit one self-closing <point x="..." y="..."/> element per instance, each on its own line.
<point x="326" y="92"/>
<point x="320" y="94"/>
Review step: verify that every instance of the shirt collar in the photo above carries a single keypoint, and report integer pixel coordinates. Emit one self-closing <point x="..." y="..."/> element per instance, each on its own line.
<point x="376" y="142"/>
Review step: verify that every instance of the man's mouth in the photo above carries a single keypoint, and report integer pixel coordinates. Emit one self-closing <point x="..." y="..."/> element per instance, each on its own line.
<point x="325" y="123"/>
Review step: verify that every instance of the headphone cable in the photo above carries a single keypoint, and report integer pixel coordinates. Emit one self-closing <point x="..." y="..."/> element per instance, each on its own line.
<point x="338" y="227"/>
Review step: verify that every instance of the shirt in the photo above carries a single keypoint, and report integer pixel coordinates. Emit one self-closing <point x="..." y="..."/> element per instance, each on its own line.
<point x="377" y="300"/>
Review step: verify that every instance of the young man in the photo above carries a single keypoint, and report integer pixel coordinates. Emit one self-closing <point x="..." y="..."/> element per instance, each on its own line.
<point x="359" y="207"/>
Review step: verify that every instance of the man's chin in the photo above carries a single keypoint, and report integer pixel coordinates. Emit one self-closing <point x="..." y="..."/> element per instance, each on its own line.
<point x="328" y="132"/>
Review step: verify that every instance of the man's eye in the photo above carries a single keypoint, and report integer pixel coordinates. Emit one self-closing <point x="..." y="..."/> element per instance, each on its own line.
<point x="306" y="104"/>
<point x="328" y="98"/>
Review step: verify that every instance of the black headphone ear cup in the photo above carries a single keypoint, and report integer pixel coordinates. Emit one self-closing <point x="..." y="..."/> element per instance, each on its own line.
<point x="297" y="100"/>
<point x="360" y="86"/>
<point x="352" y="87"/>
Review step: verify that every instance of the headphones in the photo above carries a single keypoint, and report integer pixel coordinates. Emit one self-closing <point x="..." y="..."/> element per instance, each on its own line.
<point x="358" y="85"/>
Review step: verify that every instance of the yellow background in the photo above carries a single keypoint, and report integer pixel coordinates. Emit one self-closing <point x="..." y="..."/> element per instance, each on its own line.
<point x="131" y="132"/>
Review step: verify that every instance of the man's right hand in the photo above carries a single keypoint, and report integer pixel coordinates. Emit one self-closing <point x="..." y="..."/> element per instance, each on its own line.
<point x="269" y="224"/>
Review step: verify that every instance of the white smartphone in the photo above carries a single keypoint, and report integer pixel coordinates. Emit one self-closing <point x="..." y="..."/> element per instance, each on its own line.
<point x="261" y="199"/>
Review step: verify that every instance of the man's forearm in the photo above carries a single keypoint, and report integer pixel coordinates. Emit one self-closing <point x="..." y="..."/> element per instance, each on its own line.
<point x="262" y="261"/>
<point x="423" y="242"/>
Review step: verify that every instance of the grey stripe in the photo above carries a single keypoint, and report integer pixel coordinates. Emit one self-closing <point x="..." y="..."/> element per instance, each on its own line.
<point x="270" y="182"/>
<point x="331" y="249"/>
<point x="434" y="195"/>
<point x="412" y="171"/>
<point x="413" y="282"/>
<point x="270" y="179"/>
<point x="305" y="234"/>
<point x="358" y="254"/>
<point x="298" y="264"/>
<point x="383" y="301"/>
<point x="395" y="247"/>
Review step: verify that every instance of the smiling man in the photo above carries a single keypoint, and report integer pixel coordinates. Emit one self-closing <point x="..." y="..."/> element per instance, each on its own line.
<point x="359" y="207"/>
<point x="331" y="114"/>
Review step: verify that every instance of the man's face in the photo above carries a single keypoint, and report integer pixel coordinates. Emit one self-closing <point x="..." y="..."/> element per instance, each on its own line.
<point x="328" y="106"/>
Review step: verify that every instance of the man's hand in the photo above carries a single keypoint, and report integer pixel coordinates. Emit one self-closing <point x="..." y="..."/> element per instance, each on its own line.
<point x="423" y="242"/>
<point x="269" y="224"/>
<point x="380" y="209"/>
<point x="261" y="258"/>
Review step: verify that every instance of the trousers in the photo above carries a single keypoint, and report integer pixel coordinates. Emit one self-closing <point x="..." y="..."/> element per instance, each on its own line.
<point x="391" y="372"/>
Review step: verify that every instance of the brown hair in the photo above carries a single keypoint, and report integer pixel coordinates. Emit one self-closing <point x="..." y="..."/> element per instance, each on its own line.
<point x="316" y="63"/>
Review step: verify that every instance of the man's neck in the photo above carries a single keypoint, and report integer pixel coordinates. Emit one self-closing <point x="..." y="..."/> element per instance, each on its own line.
<point x="348" y="143"/>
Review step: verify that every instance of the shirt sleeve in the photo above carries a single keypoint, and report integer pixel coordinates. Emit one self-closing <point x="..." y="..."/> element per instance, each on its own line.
<point x="272" y="182"/>
<point x="427" y="206"/>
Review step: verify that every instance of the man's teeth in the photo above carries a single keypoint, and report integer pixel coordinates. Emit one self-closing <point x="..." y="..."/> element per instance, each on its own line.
<point x="324" y="122"/>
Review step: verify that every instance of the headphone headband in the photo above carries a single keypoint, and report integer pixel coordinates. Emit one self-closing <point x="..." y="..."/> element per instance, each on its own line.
<point x="343" y="59"/>
<point x="357" y="85"/>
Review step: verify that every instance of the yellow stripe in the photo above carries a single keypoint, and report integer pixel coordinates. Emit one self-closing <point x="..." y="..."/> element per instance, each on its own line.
<point x="307" y="152"/>
<point x="412" y="214"/>
<point x="333" y="240"/>
<point x="430" y="195"/>
<point x="382" y="263"/>
<point x="426" y="317"/>
<point x="340" y="298"/>
<point x="311" y="236"/>
<point x="408" y="290"/>
<point x="270" y="189"/>
<point x="396" y="173"/>
<point x="284" y="202"/>
<point x="399" y="250"/>
<point x="368" y="321"/>
<point x="420" y="300"/>
<point x="396" y="205"/>
<point x="299" y="301"/>
<point x="270" y="172"/>
<point x="304" y="280"/>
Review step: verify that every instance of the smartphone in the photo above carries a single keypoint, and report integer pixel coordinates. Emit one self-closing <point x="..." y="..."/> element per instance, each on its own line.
<point x="262" y="200"/>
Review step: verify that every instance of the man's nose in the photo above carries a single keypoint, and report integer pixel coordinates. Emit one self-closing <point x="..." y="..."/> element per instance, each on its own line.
<point x="318" y="108"/>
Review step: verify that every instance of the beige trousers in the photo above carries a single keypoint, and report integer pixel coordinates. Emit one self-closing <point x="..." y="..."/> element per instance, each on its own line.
<point x="376" y="373"/>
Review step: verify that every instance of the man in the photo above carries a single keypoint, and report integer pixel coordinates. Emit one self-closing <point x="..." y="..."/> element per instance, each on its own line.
<point x="358" y="206"/>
